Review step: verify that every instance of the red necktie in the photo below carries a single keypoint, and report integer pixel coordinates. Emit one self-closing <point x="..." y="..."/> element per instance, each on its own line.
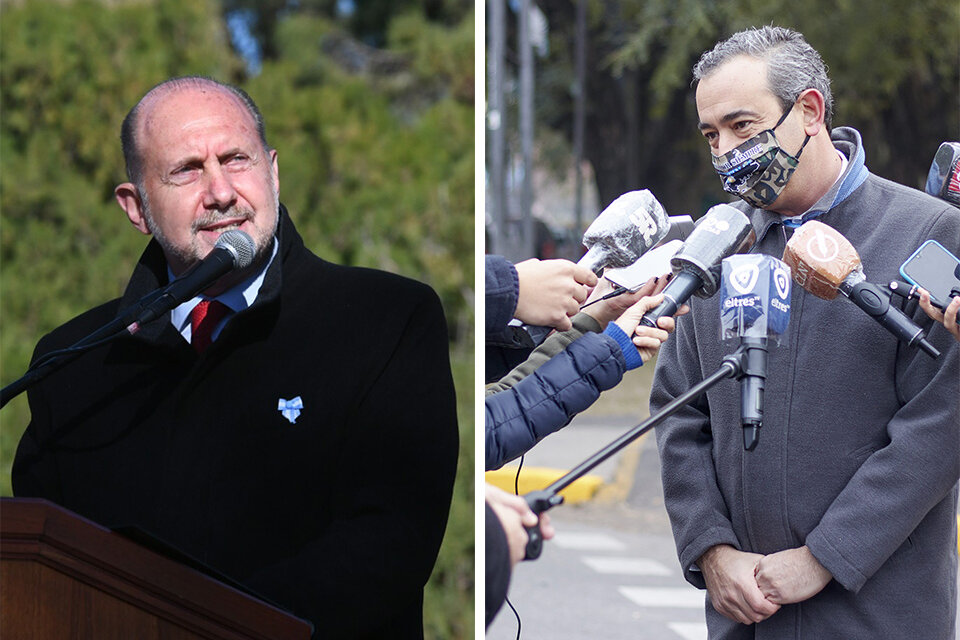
<point x="203" y="319"/>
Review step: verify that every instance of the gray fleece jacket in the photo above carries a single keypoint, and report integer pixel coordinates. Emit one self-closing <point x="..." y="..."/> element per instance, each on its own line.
<point x="859" y="453"/>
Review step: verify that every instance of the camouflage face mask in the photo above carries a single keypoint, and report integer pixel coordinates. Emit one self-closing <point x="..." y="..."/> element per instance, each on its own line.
<point x="758" y="170"/>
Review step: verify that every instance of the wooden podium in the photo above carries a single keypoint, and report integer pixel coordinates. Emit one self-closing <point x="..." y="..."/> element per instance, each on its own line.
<point x="62" y="576"/>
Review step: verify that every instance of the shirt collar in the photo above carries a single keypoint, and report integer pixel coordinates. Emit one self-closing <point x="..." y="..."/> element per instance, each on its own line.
<point x="847" y="141"/>
<point x="826" y="201"/>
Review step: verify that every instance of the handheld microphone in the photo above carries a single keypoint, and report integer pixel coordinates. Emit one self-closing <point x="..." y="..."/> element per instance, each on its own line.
<point x="234" y="250"/>
<point x="825" y="263"/>
<point x="943" y="179"/>
<point x="624" y="231"/>
<point x="754" y="306"/>
<point x="721" y="232"/>
<point x="911" y="292"/>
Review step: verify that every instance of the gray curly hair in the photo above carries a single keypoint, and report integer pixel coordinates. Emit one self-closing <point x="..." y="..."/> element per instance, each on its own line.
<point x="793" y="66"/>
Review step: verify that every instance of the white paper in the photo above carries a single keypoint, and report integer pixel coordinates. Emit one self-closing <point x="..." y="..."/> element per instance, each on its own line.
<point x="655" y="262"/>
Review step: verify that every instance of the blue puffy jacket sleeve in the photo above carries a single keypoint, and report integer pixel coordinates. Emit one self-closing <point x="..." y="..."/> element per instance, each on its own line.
<point x="502" y="291"/>
<point x="519" y="417"/>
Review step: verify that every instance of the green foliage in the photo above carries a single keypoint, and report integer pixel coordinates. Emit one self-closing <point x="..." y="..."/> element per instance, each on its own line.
<point x="892" y="66"/>
<point x="440" y="57"/>
<point x="69" y="72"/>
<point x="667" y="33"/>
<point x="369" y="20"/>
<point x="371" y="176"/>
<point x="449" y="609"/>
<point x="872" y="47"/>
<point x="376" y="167"/>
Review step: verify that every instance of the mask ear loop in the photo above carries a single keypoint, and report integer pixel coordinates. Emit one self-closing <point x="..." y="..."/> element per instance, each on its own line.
<point x="782" y="118"/>
<point x="806" y="139"/>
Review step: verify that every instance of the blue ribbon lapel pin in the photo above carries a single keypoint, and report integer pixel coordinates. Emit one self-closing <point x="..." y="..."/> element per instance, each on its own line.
<point x="290" y="409"/>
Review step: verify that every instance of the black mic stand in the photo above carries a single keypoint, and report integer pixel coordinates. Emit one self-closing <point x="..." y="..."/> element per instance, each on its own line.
<point x="56" y="359"/>
<point x="230" y="255"/>
<point x="540" y="501"/>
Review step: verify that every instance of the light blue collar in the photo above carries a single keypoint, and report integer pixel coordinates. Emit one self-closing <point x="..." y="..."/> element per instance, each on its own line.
<point x="847" y="140"/>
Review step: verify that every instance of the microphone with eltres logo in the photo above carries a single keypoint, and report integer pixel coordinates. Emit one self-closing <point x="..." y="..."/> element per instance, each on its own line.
<point x="629" y="227"/>
<point x="721" y="232"/>
<point x="825" y="263"/>
<point x="754" y="308"/>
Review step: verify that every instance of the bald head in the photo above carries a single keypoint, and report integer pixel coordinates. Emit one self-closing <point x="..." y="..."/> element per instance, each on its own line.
<point x="131" y="129"/>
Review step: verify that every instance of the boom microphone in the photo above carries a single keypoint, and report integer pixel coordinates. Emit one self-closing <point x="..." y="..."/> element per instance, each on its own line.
<point x="825" y="263"/>
<point x="943" y="179"/>
<point x="234" y="250"/>
<point x="624" y="231"/>
<point x="721" y="232"/>
<point x="754" y="306"/>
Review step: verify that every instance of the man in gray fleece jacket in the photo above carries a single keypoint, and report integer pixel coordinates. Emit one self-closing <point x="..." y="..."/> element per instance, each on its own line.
<point x="842" y="523"/>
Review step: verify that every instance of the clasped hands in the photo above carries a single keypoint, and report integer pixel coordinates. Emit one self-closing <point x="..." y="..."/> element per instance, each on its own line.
<point x="751" y="587"/>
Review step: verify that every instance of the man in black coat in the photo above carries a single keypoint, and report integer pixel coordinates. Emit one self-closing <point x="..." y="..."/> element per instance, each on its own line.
<point x="309" y="451"/>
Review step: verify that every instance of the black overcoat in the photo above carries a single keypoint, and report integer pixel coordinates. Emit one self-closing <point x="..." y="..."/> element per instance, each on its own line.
<point x="337" y="516"/>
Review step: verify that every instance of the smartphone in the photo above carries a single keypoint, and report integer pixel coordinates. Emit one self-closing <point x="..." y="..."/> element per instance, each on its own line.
<point x="936" y="270"/>
<point x="655" y="262"/>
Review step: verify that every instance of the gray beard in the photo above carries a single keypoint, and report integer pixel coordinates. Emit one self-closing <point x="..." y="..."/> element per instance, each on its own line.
<point x="263" y="245"/>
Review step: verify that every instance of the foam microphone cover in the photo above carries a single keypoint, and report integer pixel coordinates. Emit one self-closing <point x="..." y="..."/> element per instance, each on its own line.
<point x="629" y="226"/>
<point x="820" y="258"/>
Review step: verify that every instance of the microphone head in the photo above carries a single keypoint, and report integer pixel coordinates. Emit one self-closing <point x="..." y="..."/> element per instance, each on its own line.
<point x="624" y="231"/>
<point x="722" y="231"/>
<point x="943" y="179"/>
<point x="754" y="297"/>
<point x="820" y="259"/>
<point x="240" y="245"/>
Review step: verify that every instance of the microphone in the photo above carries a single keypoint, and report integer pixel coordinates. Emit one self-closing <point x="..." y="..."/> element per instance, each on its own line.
<point x="825" y="263"/>
<point x="721" y="232"/>
<point x="943" y="179"/>
<point x="629" y="226"/>
<point x="910" y="292"/>
<point x="234" y="249"/>
<point x="754" y="306"/>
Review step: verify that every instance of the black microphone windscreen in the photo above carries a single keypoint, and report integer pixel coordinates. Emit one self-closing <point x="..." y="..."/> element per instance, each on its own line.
<point x="721" y="232"/>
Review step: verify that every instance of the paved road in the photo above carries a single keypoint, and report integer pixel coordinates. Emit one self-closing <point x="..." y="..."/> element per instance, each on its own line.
<point x="596" y="581"/>
<point x="612" y="571"/>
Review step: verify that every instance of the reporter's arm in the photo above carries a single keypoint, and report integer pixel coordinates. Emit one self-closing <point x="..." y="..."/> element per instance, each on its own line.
<point x="592" y="320"/>
<point x="551" y="291"/>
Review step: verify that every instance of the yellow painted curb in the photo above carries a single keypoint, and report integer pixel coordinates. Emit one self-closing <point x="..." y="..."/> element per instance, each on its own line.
<point x="534" y="478"/>
<point x="619" y="489"/>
